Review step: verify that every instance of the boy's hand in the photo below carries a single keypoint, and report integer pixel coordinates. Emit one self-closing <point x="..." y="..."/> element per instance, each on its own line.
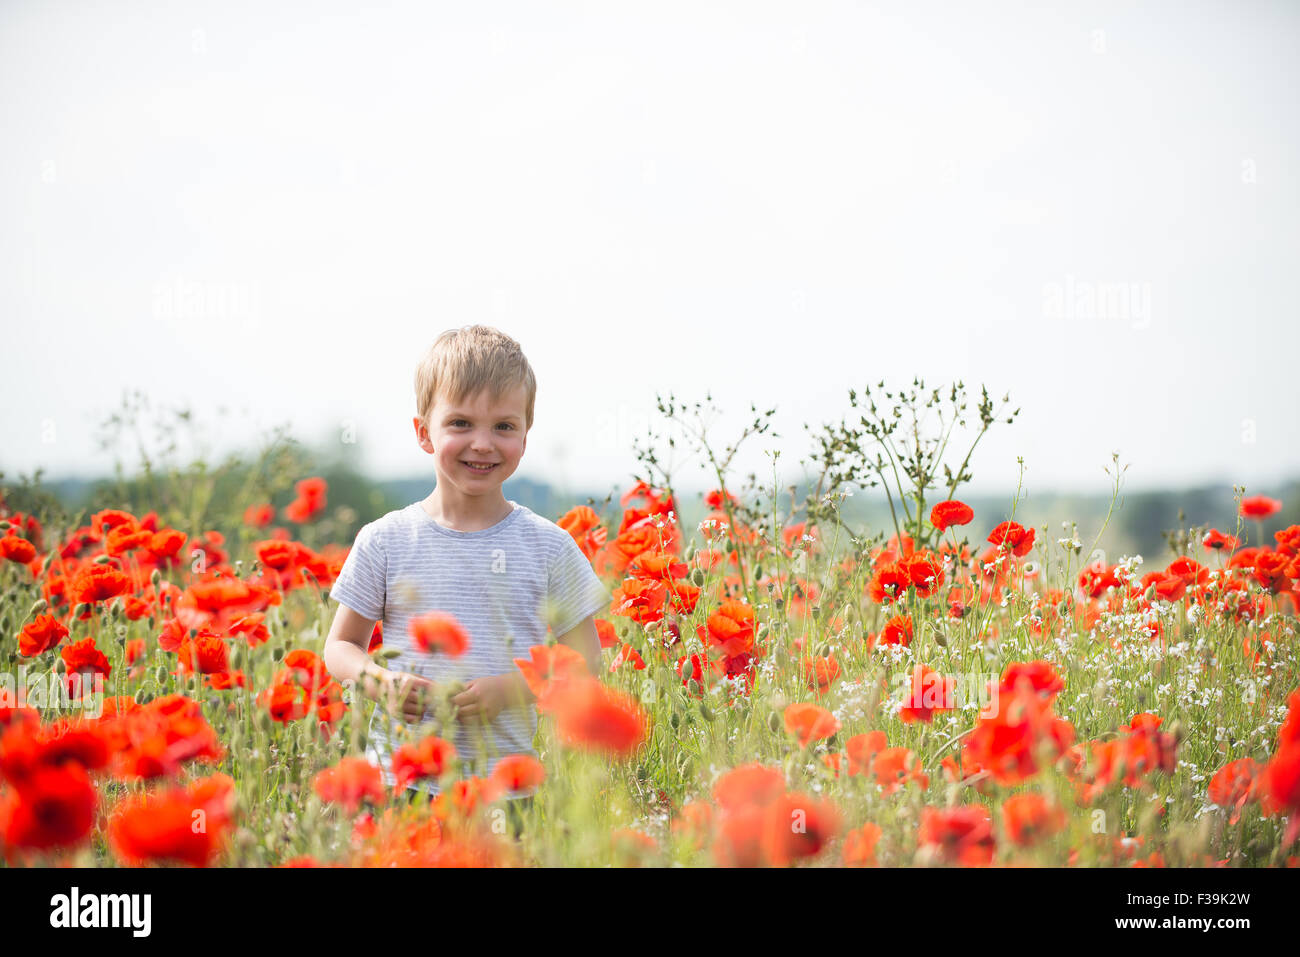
<point x="485" y="698"/>
<point x="408" y="696"/>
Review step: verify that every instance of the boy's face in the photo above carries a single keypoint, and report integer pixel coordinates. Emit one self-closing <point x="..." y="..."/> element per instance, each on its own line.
<point x="475" y="432"/>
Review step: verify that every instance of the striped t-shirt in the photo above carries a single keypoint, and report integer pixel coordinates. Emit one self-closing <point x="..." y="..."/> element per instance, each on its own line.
<point x="504" y="584"/>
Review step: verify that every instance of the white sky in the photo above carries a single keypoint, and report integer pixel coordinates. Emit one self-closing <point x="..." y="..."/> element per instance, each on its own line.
<point x="776" y="202"/>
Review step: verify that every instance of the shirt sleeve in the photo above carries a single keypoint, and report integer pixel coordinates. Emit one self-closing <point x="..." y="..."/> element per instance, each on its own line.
<point x="575" y="592"/>
<point x="362" y="581"/>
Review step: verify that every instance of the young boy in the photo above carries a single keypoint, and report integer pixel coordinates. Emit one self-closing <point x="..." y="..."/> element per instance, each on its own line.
<point x="502" y="571"/>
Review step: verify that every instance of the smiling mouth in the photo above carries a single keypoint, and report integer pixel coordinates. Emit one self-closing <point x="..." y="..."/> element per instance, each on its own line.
<point x="481" y="468"/>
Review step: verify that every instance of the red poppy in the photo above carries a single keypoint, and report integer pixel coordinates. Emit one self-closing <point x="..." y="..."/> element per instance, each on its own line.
<point x="39" y="635"/>
<point x="946" y="514"/>
<point x="592" y="717"/>
<point x="862" y="749"/>
<point x="809" y="722"/>
<point x="1013" y="537"/>
<point x="349" y="783"/>
<point x="860" y="845"/>
<point x="798" y="826"/>
<point x="1029" y="817"/>
<point x="53" y="807"/>
<point x="439" y="632"/>
<point x="931" y="693"/>
<point x="548" y="663"/>
<point x="958" y="835"/>
<point x="1217" y="540"/>
<point x="1234" y="784"/>
<point x="186" y="825"/>
<point x="889" y="583"/>
<point x="1260" y="506"/>
<point x="516" y="773"/>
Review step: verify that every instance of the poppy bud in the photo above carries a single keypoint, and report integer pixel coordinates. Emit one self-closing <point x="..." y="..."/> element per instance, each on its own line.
<point x="142" y="696"/>
<point x="5" y="525"/>
<point x="698" y="577"/>
<point x="160" y="674"/>
<point x="81" y="609"/>
<point x="706" y="712"/>
<point x="155" y="577"/>
<point x="693" y="686"/>
<point x="277" y="654"/>
<point x="1063" y="607"/>
<point x="387" y="654"/>
<point x="38" y="606"/>
<point x="940" y="639"/>
<point x="675" y="720"/>
<point x="1150" y="593"/>
<point x="774" y="722"/>
<point x="101" y="559"/>
<point x="49" y="560"/>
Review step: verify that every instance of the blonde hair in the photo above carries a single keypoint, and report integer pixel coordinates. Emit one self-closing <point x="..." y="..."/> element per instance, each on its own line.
<point x="464" y="362"/>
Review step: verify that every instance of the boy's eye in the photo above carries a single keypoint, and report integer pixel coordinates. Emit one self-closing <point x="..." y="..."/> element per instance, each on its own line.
<point x="457" y="423"/>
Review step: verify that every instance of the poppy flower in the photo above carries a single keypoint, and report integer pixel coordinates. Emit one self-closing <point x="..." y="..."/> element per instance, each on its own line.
<point x="925" y="570"/>
<point x="747" y="785"/>
<point x="809" y="723"/>
<point x="53" y="807"/>
<point x="259" y="516"/>
<point x="821" y="673"/>
<point x="605" y="630"/>
<point x="1029" y="817"/>
<point x="592" y="717"/>
<point x="350" y="782"/>
<point x="430" y="757"/>
<point x="958" y="835"/>
<point x="40" y="634"/>
<point x="547" y="663"/>
<point x="186" y="825"/>
<point x="897" y="631"/>
<point x="1234" y="784"/>
<point x="439" y="632"/>
<point x="860" y="845"/>
<point x="931" y="693"/>
<point x="862" y="749"/>
<point x="889" y="583"/>
<point x="946" y="514"/>
<point x="1260" y="507"/>
<point x="894" y="768"/>
<point x="640" y="599"/>
<point x="1013" y="537"/>
<point x="516" y="773"/>
<point x="1217" y="540"/>
<point x="730" y="628"/>
<point x="96" y="583"/>
<point x="583" y="524"/>
<point x="16" y="549"/>
<point x="798" y="826"/>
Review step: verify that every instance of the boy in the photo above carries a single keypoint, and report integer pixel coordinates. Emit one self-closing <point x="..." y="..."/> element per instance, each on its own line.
<point x="502" y="571"/>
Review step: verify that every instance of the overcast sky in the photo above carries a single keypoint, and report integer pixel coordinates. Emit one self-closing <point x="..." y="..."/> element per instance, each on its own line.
<point x="267" y="212"/>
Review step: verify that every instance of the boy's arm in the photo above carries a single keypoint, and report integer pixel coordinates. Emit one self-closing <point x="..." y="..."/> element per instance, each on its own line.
<point x="346" y="659"/>
<point x="584" y="639"/>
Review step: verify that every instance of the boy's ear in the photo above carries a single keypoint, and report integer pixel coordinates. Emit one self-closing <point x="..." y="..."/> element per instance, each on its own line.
<point x="422" y="435"/>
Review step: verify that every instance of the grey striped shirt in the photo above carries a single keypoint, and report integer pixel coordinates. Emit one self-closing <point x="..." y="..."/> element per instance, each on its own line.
<point x="504" y="584"/>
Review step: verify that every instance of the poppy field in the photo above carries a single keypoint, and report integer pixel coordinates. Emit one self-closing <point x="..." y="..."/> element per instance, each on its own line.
<point x="777" y="687"/>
